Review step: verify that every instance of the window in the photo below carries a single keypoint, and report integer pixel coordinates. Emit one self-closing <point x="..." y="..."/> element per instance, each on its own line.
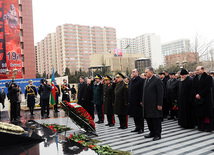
<point x="20" y="20"/>
<point x="22" y="57"/>
<point x="21" y="32"/>
<point x="22" y="45"/>
<point x="23" y="70"/>
<point x="20" y="7"/>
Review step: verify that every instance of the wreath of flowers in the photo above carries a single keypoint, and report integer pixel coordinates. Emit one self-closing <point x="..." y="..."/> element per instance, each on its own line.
<point x="77" y="113"/>
<point x="91" y="143"/>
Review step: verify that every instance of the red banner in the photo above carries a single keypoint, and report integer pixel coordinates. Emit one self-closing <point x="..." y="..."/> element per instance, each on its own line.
<point x="10" y="46"/>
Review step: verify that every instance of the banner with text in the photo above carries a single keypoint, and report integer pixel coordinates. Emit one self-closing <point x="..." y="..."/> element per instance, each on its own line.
<point x="10" y="46"/>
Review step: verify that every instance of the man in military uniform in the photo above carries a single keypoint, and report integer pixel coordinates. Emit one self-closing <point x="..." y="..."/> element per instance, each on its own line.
<point x="108" y="100"/>
<point x="57" y="90"/>
<point x="98" y="97"/>
<point x="30" y="94"/>
<point x="121" y="101"/>
<point x="64" y="87"/>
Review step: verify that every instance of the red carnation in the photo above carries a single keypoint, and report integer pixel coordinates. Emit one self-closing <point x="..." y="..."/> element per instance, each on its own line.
<point x="70" y="136"/>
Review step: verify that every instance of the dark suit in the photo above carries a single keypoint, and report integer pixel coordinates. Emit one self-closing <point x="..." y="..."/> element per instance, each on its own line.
<point x="81" y="87"/>
<point x="152" y="97"/>
<point x="57" y="90"/>
<point x="135" y="98"/>
<point x="88" y="99"/>
<point x="46" y="90"/>
<point x="172" y="94"/>
<point x="165" y="104"/>
<point x="203" y="111"/>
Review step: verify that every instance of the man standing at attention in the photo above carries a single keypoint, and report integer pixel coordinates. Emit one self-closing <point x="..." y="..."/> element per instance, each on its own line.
<point x="152" y="103"/>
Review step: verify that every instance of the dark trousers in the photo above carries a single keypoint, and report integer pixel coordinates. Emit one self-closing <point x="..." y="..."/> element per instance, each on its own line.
<point x="204" y="126"/>
<point x="100" y="114"/>
<point x="44" y="105"/>
<point x="57" y="101"/>
<point x="18" y="109"/>
<point x="31" y="110"/>
<point x="123" y="120"/>
<point x="13" y="109"/>
<point x="165" y="108"/>
<point x="154" y="125"/>
<point x="139" y="123"/>
<point x="111" y="119"/>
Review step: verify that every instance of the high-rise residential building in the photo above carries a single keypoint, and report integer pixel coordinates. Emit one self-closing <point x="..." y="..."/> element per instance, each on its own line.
<point x="27" y="39"/>
<point x="148" y="44"/>
<point x="175" y="47"/>
<point x="71" y="45"/>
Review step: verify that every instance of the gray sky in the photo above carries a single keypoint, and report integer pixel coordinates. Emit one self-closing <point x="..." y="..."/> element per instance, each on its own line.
<point x="171" y="19"/>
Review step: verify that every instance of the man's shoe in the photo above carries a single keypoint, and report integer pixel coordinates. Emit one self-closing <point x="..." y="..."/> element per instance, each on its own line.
<point x="99" y="122"/>
<point x="148" y="136"/>
<point x="56" y="110"/>
<point x="120" y="127"/>
<point x="48" y="116"/>
<point x="170" y="118"/>
<point x="135" y="130"/>
<point x="111" y="125"/>
<point x="156" y="138"/>
<point x="107" y="124"/>
<point x="140" y="131"/>
<point x="124" y="127"/>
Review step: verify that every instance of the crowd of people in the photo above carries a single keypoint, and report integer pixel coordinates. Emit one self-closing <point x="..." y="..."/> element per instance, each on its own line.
<point x="183" y="96"/>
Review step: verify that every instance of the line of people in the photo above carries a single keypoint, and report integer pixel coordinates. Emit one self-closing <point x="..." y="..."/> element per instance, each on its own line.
<point x="154" y="98"/>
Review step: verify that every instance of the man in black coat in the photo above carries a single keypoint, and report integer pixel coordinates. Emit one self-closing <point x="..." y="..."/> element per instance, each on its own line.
<point x="166" y="74"/>
<point x="45" y="96"/>
<point x="152" y="103"/>
<point x="202" y="85"/>
<point x="185" y="101"/>
<point x="73" y="93"/>
<point x="13" y="97"/>
<point x="165" y="104"/>
<point x="81" y="87"/>
<point x="135" y="101"/>
<point x="88" y="98"/>
<point x="2" y="96"/>
<point x="171" y="94"/>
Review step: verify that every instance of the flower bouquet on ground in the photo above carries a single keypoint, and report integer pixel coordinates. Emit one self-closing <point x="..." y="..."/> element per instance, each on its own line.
<point x="91" y="143"/>
<point x="79" y="116"/>
<point x="57" y="128"/>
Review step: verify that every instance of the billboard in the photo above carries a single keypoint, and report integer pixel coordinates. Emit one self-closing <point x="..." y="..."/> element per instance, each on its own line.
<point x="21" y="82"/>
<point x="10" y="46"/>
<point x="118" y="52"/>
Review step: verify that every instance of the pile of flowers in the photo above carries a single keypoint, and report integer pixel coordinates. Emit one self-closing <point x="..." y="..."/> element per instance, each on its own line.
<point x="57" y="128"/>
<point x="79" y="115"/>
<point x="91" y="143"/>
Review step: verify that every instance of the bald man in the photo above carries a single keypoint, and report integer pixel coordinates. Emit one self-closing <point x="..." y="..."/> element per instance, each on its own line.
<point x="202" y="84"/>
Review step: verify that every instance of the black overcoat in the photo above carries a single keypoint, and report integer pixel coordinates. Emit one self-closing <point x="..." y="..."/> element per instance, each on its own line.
<point x="121" y="98"/>
<point x="185" y="103"/>
<point x="108" y="99"/>
<point x="203" y="88"/>
<point x="30" y="94"/>
<point x="152" y="97"/>
<point x="81" y="87"/>
<point x="88" y="99"/>
<point x="172" y="90"/>
<point x="135" y="97"/>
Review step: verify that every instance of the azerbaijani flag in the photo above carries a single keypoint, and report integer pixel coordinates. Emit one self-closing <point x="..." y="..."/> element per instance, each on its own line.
<point x="127" y="46"/>
<point x="53" y="90"/>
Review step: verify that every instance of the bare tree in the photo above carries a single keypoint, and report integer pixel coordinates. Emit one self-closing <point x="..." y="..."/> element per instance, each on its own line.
<point x="200" y="47"/>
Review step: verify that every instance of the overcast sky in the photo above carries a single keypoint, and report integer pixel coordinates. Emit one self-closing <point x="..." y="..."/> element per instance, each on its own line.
<point x="171" y="19"/>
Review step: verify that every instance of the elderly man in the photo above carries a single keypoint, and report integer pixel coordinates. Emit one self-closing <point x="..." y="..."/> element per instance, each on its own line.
<point x="135" y="101"/>
<point x="152" y="102"/>
<point x="81" y="87"/>
<point x="202" y="84"/>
